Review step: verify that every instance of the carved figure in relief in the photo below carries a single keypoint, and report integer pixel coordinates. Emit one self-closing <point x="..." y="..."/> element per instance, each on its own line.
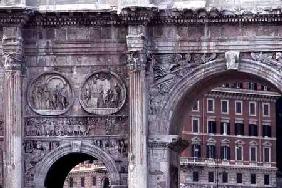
<point x="272" y="59"/>
<point x="75" y="126"/>
<point x="232" y="60"/>
<point x="103" y="93"/>
<point x="171" y="64"/>
<point x="50" y="94"/>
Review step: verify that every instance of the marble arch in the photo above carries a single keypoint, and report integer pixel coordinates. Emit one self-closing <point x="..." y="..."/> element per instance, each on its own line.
<point x="43" y="167"/>
<point x="189" y="85"/>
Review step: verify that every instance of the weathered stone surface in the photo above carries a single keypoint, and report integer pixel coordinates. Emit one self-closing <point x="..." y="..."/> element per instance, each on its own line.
<point x="157" y="62"/>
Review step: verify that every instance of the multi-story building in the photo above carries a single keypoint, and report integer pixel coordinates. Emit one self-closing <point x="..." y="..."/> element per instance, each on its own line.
<point x="88" y="175"/>
<point x="232" y="134"/>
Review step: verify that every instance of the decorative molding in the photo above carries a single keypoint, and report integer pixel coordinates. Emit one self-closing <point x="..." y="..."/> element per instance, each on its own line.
<point x="177" y="145"/>
<point x="136" y="16"/>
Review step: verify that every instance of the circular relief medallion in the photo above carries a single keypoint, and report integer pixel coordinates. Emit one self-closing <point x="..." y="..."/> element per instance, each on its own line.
<point x="50" y="94"/>
<point x="103" y="93"/>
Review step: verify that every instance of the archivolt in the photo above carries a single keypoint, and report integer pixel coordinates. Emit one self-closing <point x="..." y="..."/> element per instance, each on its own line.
<point x="194" y="80"/>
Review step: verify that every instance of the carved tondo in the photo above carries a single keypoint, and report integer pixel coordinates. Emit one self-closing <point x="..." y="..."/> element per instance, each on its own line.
<point x="103" y="93"/>
<point x="50" y="94"/>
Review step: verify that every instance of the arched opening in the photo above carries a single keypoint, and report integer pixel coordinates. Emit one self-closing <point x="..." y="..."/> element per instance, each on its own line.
<point x="60" y="169"/>
<point x="181" y="94"/>
<point x="57" y="167"/>
<point x="226" y="147"/>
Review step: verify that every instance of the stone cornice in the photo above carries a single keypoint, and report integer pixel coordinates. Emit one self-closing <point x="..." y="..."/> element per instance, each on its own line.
<point x="135" y="16"/>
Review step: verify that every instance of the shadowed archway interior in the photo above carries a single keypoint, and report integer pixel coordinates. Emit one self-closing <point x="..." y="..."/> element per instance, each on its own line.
<point x="202" y="87"/>
<point x="59" y="170"/>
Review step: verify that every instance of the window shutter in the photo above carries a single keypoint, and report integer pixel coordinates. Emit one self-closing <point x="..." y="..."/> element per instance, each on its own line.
<point x="221" y="128"/>
<point x="269" y="130"/>
<point x="256" y="130"/>
<point x="221" y="152"/>
<point x="214" y="125"/>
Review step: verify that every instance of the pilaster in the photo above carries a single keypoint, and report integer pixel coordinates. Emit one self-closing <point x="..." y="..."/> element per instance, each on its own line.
<point x="137" y="59"/>
<point x="12" y="63"/>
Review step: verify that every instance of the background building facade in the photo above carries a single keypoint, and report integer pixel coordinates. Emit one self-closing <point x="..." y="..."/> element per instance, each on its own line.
<point x="232" y="131"/>
<point x="89" y="174"/>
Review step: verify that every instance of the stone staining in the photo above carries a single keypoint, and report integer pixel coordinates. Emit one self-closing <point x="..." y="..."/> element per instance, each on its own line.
<point x="103" y="93"/>
<point x="50" y="94"/>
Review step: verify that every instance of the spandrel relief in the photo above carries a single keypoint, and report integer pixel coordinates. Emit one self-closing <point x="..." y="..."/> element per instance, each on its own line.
<point x="103" y="93"/>
<point x="50" y="94"/>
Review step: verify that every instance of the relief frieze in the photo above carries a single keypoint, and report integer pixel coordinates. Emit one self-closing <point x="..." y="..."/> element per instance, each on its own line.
<point x="76" y="126"/>
<point x="103" y="93"/>
<point x="50" y="94"/>
<point x="273" y="59"/>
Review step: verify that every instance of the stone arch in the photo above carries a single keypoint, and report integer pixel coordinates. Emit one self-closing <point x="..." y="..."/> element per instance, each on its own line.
<point x="194" y="81"/>
<point x="46" y="163"/>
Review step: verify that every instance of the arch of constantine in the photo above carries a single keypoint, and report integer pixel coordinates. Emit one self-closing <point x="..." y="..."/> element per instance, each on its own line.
<point x="111" y="79"/>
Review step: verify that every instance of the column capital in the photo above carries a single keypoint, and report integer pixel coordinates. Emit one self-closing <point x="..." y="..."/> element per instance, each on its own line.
<point x="137" y="60"/>
<point x="173" y="142"/>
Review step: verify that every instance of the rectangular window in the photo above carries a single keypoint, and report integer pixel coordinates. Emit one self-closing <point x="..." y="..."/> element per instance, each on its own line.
<point x="82" y="181"/>
<point x="253" y="179"/>
<point x="253" y="154"/>
<point x="253" y="130"/>
<point x="252" y="86"/>
<point x="196" y="106"/>
<point x="225" y="128"/>
<point x="266" y="152"/>
<point x="252" y="108"/>
<point x="266" y="109"/>
<point x="94" y="181"/>
<point x="211" y="151"/>
<point x="224" y="177"/>
<point x="225" y="152"/>
<point x="239" y="129"/>
<point x="195" y="176"/>
<point x="211" y="127"/>
<point x="238" y="107"/>
<point x="239" y="153"/>
<point x="265" y="88"/>
<point x="266" y="179"/>
<point x="239" y="178"/>
<point x="211" y="176"/>
<point x="195" y="125"/>
<point x="210" y="105"/>
<point x="266" y="130"/>
<point x="224" y="106"/>
<point x="71" y="182"/>
<point x="196" y="150"/>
